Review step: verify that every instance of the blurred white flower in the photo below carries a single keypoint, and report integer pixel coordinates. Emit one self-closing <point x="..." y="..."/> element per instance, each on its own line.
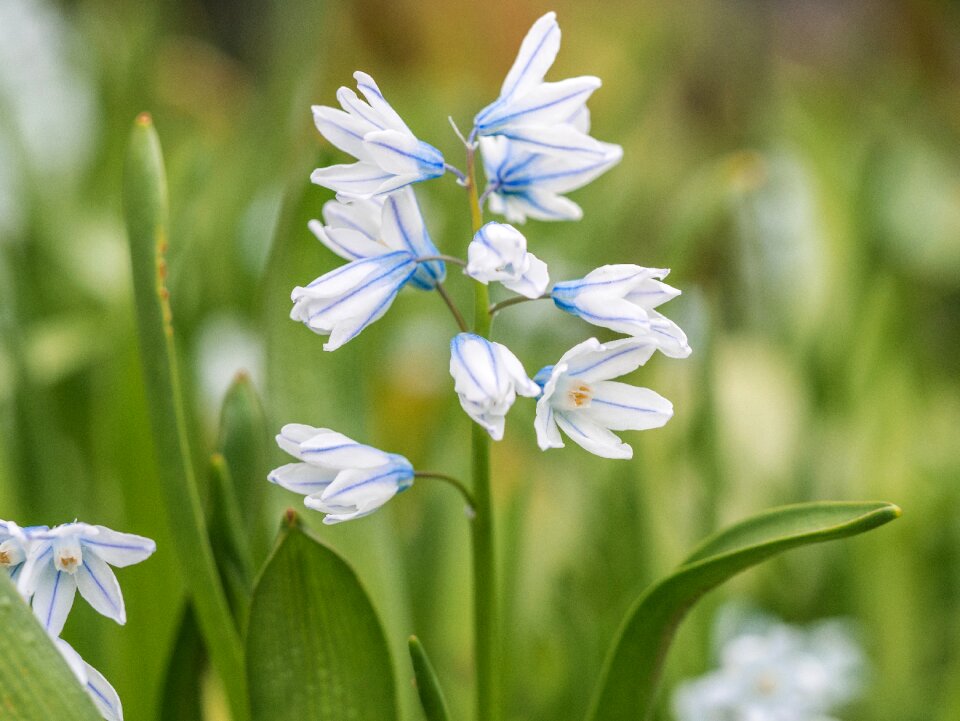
<point x="498" y="252"/>
<point x="104" y="696"/>
<point x="543" y="116"/>
<point x="580" y="399"/>
<point x="487" y="377"/>
<point x="337" y="475"/>
<point x="226" y="346"/>
<point x="78" y="555"/>
<point x="622" y="298"/>
<point x="389" y="156"/>
<point x="776" y="672"/>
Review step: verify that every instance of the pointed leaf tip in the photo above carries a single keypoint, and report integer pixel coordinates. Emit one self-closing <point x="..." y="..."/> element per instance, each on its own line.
<point x="144" y="119"/>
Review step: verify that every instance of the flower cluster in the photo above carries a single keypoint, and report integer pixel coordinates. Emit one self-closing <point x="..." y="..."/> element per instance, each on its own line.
<point x="776" y="672"/>
<point x="49" y="566"/>
<point x="535" y="145"/>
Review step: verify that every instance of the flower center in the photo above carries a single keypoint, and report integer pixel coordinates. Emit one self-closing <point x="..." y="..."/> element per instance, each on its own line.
<point x="10" y="554"/>
<point x="574" y="394"/>
<point x="766" y="685"/>
<point x="68" y="557"/>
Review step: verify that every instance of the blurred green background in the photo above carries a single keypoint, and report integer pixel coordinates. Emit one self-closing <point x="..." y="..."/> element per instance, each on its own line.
<point x="795" y="163"/>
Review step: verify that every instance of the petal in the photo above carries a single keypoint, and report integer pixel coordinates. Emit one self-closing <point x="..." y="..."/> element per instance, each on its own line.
<point x="98" y="584"/>
<point x="592" y="436"/>
<point x="347" y="329"/>
<point x="342" y="130"/>
<point x="335" y="450"/>
<point x="670" y="339"/>
<point x="39" y="557"/>
<point x="402" y="154"/>
<point x="537" y="53"/>
<point x="533" y="283"/>
<point x="119" y="549"/>
<point x="475" y="367"/>
<point x="348" y="243"/>
<point x="593" y="362"/>
<point x="53" y="598"/>
<point x="356" y="180"/>
<point x="556" y="140"/>
<point x="541" y="205"/>
<point x="561" y="173"/>
<point x="371" y="92"/>
<point x="345" y="278"/>
<point x="76" y="664"/>
<point x="294" y="434"/>
<point x="104" y="696"/>
<point x="360" y="111"/>
<point x="362" y="216"/>
<point x="302" y="478"/>
<point x="514" y="369"/>
<point x="614" y="313"/>
<point x="404" y="229"/>
<point x="548" y="435"/>
<point x="650" y="292"/>
<point x="622" y="407"/>
<point x="544" y="105"/>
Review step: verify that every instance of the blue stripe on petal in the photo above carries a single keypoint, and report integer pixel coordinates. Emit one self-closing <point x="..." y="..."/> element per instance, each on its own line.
<point x="100" y="586"/>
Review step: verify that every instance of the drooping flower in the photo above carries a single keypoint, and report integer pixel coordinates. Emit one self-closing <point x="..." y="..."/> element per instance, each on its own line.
<point x="487" y="377"/>
<point x="389" y="156"/>
<point x="776" y="672"/>
<point x="104" y="696"/>
<point x="14" y="546"/>
<point x="368" y="228"/>
<point x="539" y="114"/>
<point x="498" y="252"/>
<point x="78" y="555"/>
<point x="580" y="398"/>
<point x="524" y="184"/>
<point x="338" y="476"/>
<point x="622" y="298"/>
<point x="344" y="301"/>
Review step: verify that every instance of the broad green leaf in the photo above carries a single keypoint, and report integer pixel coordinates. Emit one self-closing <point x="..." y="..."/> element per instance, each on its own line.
<point x="183" y="684"/>
<point x="145" y="209"/>
<point x="428" y="685"/>
<point x="36" y="684"/>
<point x="631" y="674"/>
<point x="315" y="648"/>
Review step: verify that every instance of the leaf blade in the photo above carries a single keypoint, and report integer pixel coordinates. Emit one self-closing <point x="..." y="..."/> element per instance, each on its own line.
<point x="630" y="678"/>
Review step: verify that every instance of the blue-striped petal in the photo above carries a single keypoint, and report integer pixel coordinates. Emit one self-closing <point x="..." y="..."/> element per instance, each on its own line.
<point x="53" y="598"/>
<point x="403" y="228"/>
<point x="119" y="549"/>
<point x="98" y="584"/>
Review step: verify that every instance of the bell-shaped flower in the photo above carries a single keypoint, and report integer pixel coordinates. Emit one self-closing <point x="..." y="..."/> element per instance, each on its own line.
<point x="525" y="184"/>
<point x="498" y="252"/>
<point x="580" y="398"/>
<point x="337" y="475"/>
<point x="389" y="156"/>
<point x="369" y="228"/>
<point x="623" y="298"/>
<point x="488" y="377"/>
<point x="78" y="555"/>
<point x="346" y="300"/>
<point x="104" y="696"/>
<point x="14" y="547"/>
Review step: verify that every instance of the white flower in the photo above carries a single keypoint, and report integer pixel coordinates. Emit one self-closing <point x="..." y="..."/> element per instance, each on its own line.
<point x="498" y="252"/>
<point x="776" y="672"/>
<point x="388" y="154"/>
<point x="539" y="114"/>
<point x="337" y="475"/>
<point x="487" y="378"/>
<point x="78" y="555"/>
<point x="368" y="228"/>
<point x="14" y="547"/>
<point x="346" y="300"/>
<point x="623" y="298"/>
<point x="524" y="184"/>
<point x="580" y="399"/>
<point x="104" y="696"/>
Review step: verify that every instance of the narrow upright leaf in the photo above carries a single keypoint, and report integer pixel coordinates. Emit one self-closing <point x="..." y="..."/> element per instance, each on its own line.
<point x="36" y="684"/>
<point x="428" y="685"/>
<point x="631" y="675"/>
<point x="145" y="209"/>
<point x="315" y="648"/>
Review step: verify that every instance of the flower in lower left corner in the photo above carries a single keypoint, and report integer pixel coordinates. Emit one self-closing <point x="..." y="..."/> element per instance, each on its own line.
<point x="78" y="556"/>
<point x="338" y="476"/>
<point x="104" y="696"/>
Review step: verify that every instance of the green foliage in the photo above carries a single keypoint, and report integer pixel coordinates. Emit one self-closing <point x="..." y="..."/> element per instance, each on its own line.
<point x="36" y="684"/>
<point x="315" y="648"/>
<point x="428" y="685"/>
<point x="631" y="676"/>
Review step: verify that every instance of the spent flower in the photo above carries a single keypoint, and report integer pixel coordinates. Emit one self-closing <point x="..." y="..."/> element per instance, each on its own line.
<point x="389" y="156"/>
<point x="580" y="398"/>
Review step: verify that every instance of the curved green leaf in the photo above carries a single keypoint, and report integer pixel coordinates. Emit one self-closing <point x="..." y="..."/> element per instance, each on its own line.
<point x="315" y="648"/>
<point x="629" y="681"/>
<point x="428" y="685"/>
<point x="145" y="210"/>
<point x="35" y="682"/>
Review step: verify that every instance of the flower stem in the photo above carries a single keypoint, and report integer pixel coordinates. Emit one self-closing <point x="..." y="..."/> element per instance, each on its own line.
<point x="485" y="606"/>
<point x="497" y="307"/>
<point x="457" y="315"/>
<point x="464" y="491"/>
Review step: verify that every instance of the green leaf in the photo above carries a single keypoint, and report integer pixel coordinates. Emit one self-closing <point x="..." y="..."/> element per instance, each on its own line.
<point x="231" y="543"/>
<point x="428" y="685"/>
<point x="315" y="648"/>
<point x="145" y="210"/>
<point x="36" y="684"/>
<point x="631" y="675"/>
<point x="183" y="683"/>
